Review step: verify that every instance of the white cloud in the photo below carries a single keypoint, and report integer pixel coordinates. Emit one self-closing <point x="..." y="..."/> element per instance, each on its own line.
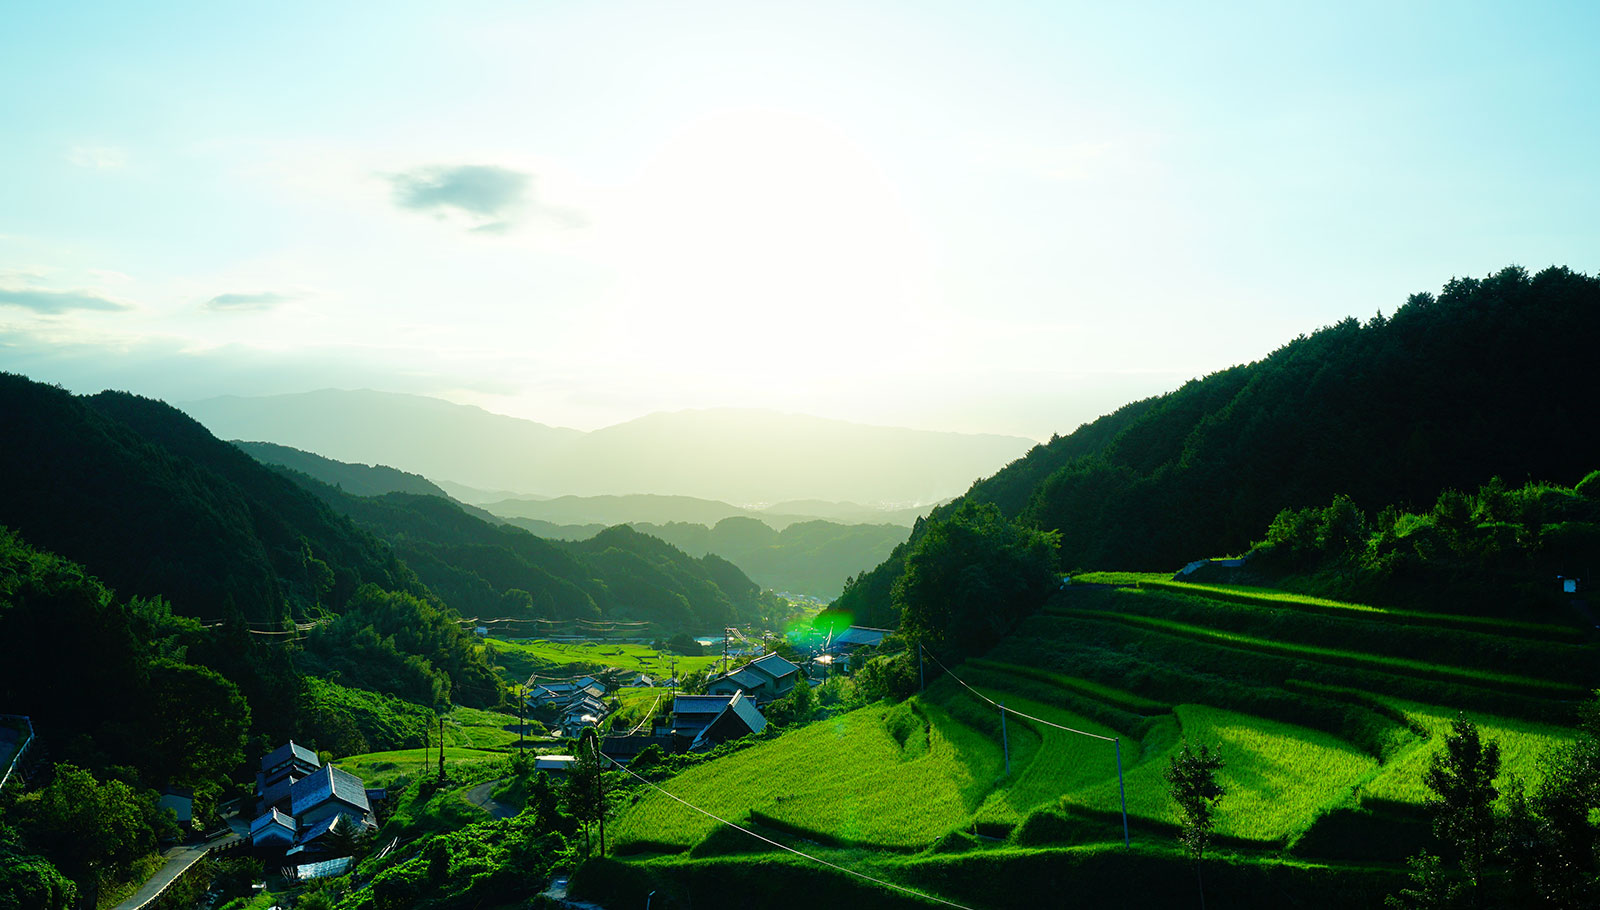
<point x="98" y="157"/>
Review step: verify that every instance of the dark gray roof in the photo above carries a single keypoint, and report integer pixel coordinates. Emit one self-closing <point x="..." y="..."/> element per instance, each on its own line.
<point x="287" y="752"/>
<point x="746" y="709"/>
<point x="700" y="704"/>
<point x="328" y="783"/>
<point x="774" y="666"/>
<point x="746" y="678"/>
<point x="277" y="790"/>
<point x="856" y="635"/>
<point x="269" y="819"/>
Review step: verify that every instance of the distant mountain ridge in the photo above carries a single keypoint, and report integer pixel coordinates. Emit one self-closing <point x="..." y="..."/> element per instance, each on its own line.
<point x="733" y="455"/>
<point x="355" y="479"/>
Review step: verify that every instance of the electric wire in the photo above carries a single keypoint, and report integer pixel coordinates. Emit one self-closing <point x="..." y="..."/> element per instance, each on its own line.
<point x="815" y="859"/>
<point x="1040" y="720"/>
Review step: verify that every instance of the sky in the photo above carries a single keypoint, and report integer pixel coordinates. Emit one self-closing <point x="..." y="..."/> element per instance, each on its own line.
<point x="996" y="217"/>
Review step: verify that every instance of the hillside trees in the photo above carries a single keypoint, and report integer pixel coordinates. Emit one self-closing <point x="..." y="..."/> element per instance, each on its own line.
<point x="971" y="576"/>
<point x="1191" y="776"/>
<point x="1461" y="777"/>
<point x="1470" y="548"/>
<point x="1487" y="378"/>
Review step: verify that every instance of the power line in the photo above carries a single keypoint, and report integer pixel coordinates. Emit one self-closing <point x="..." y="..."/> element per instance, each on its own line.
<point x="1122" y="793"/>
<point x="1109" y="739"/>
<point x="815" y="859"/>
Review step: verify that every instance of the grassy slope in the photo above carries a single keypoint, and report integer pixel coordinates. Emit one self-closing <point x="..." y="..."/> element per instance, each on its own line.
<point x="1281" y="776"/>
<point x="383" y="769"/>
<point x="558" y="659"/>
<point x="848" y="777"/>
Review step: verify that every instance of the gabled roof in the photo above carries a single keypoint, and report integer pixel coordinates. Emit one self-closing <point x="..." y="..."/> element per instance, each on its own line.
<point x="289" y="751"/>
<point x="700" y="704"/>
<point x="739" y="718"/>
<point x="774" y="666"/>
<point x="277" y="791"/>
<point x="747" y="678"/>
<point x="857" y="635"/>
<point x="328" y="783"/>
<point x="270" y="818"/>
<point x="324" y="826"/>
<point x="746" y="710"/>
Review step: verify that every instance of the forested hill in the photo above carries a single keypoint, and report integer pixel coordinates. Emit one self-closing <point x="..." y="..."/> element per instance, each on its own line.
<point x="491" y="570"/>
<point x="155" y="505"/>
<point x="1491" y="377"/>
<point x="359" y="479"/>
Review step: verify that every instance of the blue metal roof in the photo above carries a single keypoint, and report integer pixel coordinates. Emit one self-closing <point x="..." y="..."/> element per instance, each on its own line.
<point x="774" y="665"/>
<point x="287" y="752"/>
<point x="328" y="783"/>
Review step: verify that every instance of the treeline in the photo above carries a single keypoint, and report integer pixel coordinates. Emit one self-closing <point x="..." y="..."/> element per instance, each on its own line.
<point x="1488" y="378"/>
<point x="493" y="570"/>
<point x="1495" y="550"/>
<point x="103" y="679"/>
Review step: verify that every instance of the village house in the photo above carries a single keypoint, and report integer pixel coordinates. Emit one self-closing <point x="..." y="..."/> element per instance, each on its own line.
<point x="763" y="679"/>
<point x="301" y="800"/>
<point x="702" y="721"/>
<point x="855" y="637"/>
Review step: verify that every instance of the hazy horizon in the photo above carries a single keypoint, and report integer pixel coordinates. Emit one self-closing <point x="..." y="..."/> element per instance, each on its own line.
<point x="1008" y="219"/>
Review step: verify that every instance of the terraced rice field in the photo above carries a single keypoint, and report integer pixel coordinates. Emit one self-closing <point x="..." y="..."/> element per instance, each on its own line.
<point x="1522" y="743"/>
<point x="899" y="776"/>
<point x="877" y="776"/>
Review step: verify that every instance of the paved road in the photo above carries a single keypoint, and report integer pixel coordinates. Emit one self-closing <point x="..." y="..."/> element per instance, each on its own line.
<point x="480" y="796"/>
<point x="179" y="859"/>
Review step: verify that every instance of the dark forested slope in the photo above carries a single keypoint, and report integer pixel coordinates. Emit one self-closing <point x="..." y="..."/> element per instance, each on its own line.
<point x="359" y="479"/>
<point x="492" y="570"/>
<point x="155" y="505"/>
<point x="1490" y="377"/>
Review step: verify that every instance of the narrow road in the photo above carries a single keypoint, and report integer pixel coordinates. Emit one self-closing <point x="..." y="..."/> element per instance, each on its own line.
<point x="481" y="797"/>
<point x="179" y="859"/>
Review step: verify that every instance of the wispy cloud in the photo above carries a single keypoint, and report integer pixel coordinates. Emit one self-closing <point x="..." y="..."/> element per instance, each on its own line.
<point x="98" y="157"/>
<point x="491" y="198"/>
<point x="55" y="302"/>
<point x="241" y="302"/>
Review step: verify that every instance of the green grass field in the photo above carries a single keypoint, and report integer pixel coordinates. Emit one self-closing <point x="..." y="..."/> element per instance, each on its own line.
<point x="384" y="769"/>
<point x="559" y="659"/>
<point x="1521" y="745"/>
<point x="636" y="704"/>
<point x="896" y="777"/>
<point x="472" y="728"/>
<point x="881" y="776"/>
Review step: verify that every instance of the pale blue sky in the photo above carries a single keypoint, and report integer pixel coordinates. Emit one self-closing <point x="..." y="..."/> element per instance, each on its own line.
<point x="1002" y="217"/>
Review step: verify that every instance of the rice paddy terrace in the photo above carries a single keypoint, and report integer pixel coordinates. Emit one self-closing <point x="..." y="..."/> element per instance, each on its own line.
<point x="1326" y="714"/>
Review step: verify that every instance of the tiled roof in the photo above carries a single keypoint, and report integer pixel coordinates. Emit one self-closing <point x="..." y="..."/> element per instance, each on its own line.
<point x="700" y="704"/>
<point x="328" y="783"/>
<point x="269" y="818"/>
<point x="746" y="678"/>
<point x="325" y="825"/>
<point x="746" y="709"/>
<point x="276" y="791"/>
<point x="855" y="635"/>
<point x="287" y="752"/>
<point x="775" y="666"/>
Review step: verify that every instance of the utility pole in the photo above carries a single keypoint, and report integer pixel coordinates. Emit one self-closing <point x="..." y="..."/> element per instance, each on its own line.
<point x="1124" y="794"/>
<point x="922" y="682"/>
<point x="1004" y="742"/>
<point x="600" y="792"/>
<point x="441" y="748"/>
